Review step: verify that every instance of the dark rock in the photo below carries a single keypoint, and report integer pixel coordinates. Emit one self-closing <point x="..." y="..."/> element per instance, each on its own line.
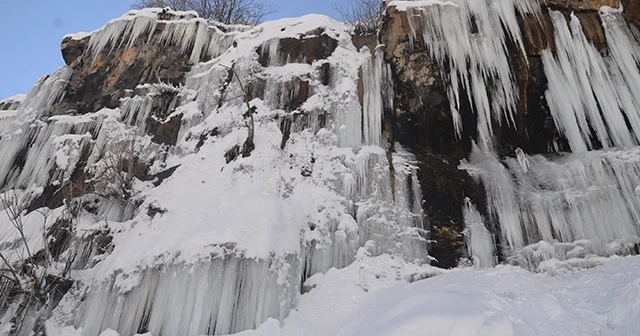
<point x="72" y="50"/>
<point x="301" y="50"/>
<point x="632" y="11"/>
<point x="232" y="153"/>
<point x="325" y="73"/>
<point x="158" y="178"/>
<point x="581" y="5"/>
<point x="205" y="135"/>
<point x="164" y="133"/>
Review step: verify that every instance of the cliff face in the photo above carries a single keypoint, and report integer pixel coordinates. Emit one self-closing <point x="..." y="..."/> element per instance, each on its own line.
<point x="141" y="141"/>
<point x="461" y="133"/>
<point x="422" y="116"/>
<point x="419" y="119"/>
<point x="632" y="11"/>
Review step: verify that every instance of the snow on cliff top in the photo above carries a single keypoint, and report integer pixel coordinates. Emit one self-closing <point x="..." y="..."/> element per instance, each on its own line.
<point x="14" y="99"/>
<point x="404" y="5"/>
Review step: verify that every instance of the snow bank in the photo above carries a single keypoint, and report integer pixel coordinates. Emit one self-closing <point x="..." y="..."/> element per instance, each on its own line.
<point x="501" y="301"/>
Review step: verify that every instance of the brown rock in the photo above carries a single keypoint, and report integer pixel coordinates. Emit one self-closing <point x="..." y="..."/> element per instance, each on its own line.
<point x="369" y="41"/>
<point x="632" y="11"/>
<point x="101" y="81"/>
<point x="315" y="45"/>
<point x="593" y="29"/>
<point x="73" y="49"/>
<point x="538" y="34"/>
<point x="582" y="5"/>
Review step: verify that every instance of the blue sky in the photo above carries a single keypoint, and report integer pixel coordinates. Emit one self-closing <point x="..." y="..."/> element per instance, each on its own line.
<point x="31" y="32"/>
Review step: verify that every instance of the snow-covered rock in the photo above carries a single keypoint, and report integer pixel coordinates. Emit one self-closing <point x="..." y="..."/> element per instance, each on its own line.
<point x="194" y="178"/>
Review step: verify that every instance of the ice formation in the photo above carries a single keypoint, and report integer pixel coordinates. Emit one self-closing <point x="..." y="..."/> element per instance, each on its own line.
<point x="594" y="104"/>
<point x="589" y="92"/>
<point x="479" y="240"/>
<point x="195" y="36"/>
<point x="254" y="229"/>
<point x="28" y="129"/>
<point x="471" y="38"/>
<point x="584" y="196"/>
<point x="227" y="243"/>
<point x="212" y="297"/>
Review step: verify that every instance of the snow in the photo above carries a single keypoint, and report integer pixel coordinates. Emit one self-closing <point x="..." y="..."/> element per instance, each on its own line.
<point x="333" y="211"/>
<point x="77" y="36"/>
<point x="19" y="98"/>
<point x="371" y="297"/>
<point x="255" y="226"/>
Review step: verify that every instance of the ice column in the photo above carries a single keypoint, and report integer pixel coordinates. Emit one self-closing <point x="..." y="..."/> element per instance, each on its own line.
<point x="479" y="240"/>
<point x="29" y="130"/>
<point x="583" y="196"/>
<point x="372" y="109"/>
<point x="217" y="297"/>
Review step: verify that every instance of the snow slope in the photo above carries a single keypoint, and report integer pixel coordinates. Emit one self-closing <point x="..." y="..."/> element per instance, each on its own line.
<point x="371" y="298"/>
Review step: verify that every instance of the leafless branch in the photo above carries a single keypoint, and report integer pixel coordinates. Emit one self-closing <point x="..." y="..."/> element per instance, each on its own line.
<point x="363" y="15"/>
<point x="247" y="12"/>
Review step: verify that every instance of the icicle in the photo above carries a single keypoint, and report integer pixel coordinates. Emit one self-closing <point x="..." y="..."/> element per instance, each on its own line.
<point x="590" y="92"/>
<point x="6" y="120"/>
<point x="193" y="35"/>
<point x="501" y="196"/>
<point x="409" y="216"/>
<point x="522" y="160"/>
<point x="566" y="200"/>
<point x="126" y="30"/>
<point x="272" y="48"/>
<point x="216" y="297"/>
<point x="479" y="241"/>
<point x="27" y="130"/>
<point x="478" y="60"/>
<point x="372" y="116"/>
<point x="136" y="111"/>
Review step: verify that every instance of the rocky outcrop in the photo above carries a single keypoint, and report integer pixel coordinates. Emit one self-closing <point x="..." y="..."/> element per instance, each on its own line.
<point x="582" y="5"/>
<point x="11" y="103"/>
<point x="314" y="45"/>
<point x="101" y="80"/>
<point x="632" y="11"/>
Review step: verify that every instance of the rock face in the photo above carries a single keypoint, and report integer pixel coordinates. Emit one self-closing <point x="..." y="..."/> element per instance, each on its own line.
<point x="582" y="5"/>
<point x="364" y="145"/>
<point x="632" y="11"/>
<point x="11" y="103"/>
<point x="422" y="119"/>
<point x="101" y="80"/>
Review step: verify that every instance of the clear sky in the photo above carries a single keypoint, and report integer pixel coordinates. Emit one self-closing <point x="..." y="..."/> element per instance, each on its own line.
<point x="31" y="32"/>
